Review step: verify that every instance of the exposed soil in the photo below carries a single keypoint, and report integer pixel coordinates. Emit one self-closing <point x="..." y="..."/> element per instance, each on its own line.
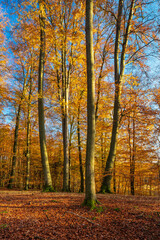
<point x="37" y="215"/>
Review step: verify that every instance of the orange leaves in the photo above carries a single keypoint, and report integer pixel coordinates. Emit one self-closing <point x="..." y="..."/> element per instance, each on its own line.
<point x="65" y="31"/>
<point x="37" y="215"/>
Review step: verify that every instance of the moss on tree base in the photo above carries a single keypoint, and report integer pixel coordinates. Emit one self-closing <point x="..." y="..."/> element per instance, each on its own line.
<point x="48" y="189"/>
<point x="105" y="189"/>
<point x="90" y="203"/>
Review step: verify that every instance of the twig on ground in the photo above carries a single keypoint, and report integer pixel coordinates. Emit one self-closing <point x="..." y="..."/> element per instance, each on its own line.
<point x="83" y="218"/>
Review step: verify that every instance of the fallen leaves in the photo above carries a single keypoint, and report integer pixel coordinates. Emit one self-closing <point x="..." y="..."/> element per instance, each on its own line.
<point x="37" y="215"/>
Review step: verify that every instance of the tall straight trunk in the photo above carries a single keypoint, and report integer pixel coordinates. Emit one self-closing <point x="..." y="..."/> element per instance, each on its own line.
<point x="28" y="137"/>
<point x="42" y="135"/>
<point x="90" y="193"/>
<point x="129" y="143"/>
<point x="70" y="147"/>
<point x="63" y="98"/>
<point x="114" y="177"/>
<point x="132" y="163"/>
<point x="80" y="152"/>
<point x="65" y="95"/>
<point x="118" y="74"/>
<point x="65" y="153"/>
<point x="69" y="159"/>
<point x="14" y="158"/>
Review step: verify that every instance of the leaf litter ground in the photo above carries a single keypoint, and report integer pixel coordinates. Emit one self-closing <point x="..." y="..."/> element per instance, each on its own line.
<point x="46" y="216"/>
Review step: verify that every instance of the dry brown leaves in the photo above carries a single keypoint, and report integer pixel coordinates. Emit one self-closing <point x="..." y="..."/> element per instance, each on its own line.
<point x="37" y="215"/>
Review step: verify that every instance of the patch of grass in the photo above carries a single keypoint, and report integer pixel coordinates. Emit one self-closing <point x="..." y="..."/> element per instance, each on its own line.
<point x="55" y="201"/>
<point x="136" y="207"/>
<point x="3" y="226"/>
<point x="99" y="209"/>
<point x="117" y="209"/>
<point x="3" y="212"/>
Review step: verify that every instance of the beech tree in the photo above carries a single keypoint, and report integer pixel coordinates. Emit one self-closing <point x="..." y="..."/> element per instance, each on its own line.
<point x="42" y="135"/>
<point x="90" y="194"/>
<point x="66" y="50"/>
<point x="60" y="48"/>
<point x="28" y="140"/>
<point x="18" y="115"/>
<point x="118" y="75"/>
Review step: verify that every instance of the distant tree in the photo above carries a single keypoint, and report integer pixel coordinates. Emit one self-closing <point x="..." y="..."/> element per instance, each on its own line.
<point x="18" y="115"/>
<point x="28" y="147"/>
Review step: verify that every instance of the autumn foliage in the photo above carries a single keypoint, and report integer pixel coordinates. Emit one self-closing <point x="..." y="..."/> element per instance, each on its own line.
<point x="136" y="167"/>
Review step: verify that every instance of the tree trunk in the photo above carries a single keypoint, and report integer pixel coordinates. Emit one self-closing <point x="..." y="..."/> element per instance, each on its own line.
<point x="79" y="152"/>
<point x="90" y="194"/>
<point x="14" y="158"/>
<point x="28" y="137"/>
<point x="42" y="135"/>
<point x="118" y="73"/>
<point x="132" y="163"/>
<point x="114" y="176"/>
<point x="65" y="95"/>
<point x="70" y="147"/>
<point x="106" y="184"/>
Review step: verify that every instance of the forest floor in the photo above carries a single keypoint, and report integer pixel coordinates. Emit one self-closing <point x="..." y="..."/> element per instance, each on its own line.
<point x="37" y="215"/>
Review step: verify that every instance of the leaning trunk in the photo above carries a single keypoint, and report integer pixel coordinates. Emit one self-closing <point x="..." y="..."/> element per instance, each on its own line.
<point x="118" y="73"/>
<point x="106" y="184"/>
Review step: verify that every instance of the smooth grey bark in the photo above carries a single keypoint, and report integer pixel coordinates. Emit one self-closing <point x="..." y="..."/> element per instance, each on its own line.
<point x="118" y="74"/>
<point x="42" y="135"/>
<point x="90" y="193"/>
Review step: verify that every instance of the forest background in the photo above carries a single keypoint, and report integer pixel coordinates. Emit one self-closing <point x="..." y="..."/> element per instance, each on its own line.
<point x="135" y="168"/>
